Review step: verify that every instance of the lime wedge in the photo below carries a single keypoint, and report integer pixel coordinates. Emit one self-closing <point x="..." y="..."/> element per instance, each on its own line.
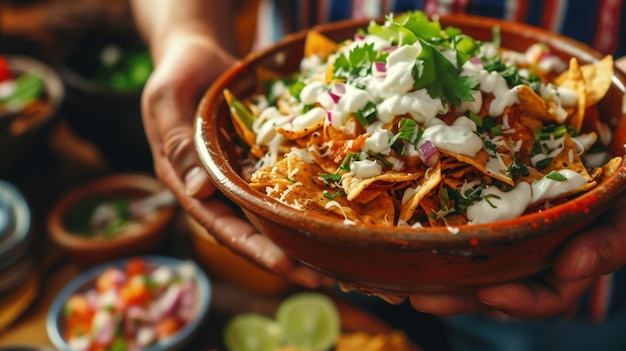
<point x="309" y="321"/>
<point x="252" y="332"/>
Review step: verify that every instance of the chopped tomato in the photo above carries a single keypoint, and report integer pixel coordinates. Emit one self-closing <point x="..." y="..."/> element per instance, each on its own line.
<point x="5" y="71"/>
<point x="78" y="310"/>
<point x="166" y="327"/>
<point x="135" y="292"/>
<point x="112" y="278"/>
<point x="136" y="267"/>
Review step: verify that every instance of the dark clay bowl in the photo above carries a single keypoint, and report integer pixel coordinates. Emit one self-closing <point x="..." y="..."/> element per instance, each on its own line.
<point x="144" y="237"/>
<point x="400" y="260"/>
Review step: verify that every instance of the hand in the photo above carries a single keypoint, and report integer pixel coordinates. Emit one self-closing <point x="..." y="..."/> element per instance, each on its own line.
<point x="188" y="64"/>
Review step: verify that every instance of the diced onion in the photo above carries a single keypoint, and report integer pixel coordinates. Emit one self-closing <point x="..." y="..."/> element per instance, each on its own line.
<point x="428" y="153"/>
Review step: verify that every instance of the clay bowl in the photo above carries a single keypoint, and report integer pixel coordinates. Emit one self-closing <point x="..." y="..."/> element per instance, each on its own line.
<point x="397" y="260"/>
<point x="26" y="133"/>
<point x="144" y="235"/>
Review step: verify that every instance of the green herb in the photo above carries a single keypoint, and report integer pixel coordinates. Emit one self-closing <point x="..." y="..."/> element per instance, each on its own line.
<point x="332" y="196"/>
<point x="433" y="71"/>
<point x="409" y="131"/>
<point x="544" y="163"/>
<point x="358" y="63"/>
<point x="555" y="175"/>
<point x="441" y="78"/>
<point x="518" y="169"/>
<point x="488" y="198"/>
<point x="295" y="88"/>
<point x="345" y="164"/>
<point x="366" y="115"/>
<point x="241" y="111"/>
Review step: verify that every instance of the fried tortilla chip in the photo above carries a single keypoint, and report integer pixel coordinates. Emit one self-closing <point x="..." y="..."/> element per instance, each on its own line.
<point x="430" y="181"/>
<point x="535" y="106"/>
<point x="481" y="161"/>
<point x="573" y="80"/>
<point x="597" y="77"/>
<point x="318" y="44"/>
<point x="354" y="185"/>
<point x="290" y="182"/>
<point x="568" y="158"/>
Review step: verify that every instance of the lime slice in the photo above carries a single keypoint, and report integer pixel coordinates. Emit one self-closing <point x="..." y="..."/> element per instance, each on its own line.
<point x="252" y="332"/>
<point x="310" y="321"/>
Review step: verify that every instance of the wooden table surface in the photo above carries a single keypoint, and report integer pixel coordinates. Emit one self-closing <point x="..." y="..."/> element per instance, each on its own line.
<point x="67" y="161"/>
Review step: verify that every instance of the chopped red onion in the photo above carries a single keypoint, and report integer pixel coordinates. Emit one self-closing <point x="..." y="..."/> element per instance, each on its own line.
<point x="380" y="67"/>
<point x="335" y="97"/>
<point x="428" y="153"/>
<point x="390" y="48"/>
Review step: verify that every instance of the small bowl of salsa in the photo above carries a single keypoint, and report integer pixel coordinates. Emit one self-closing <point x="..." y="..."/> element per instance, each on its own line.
<point x="139" y="303"/>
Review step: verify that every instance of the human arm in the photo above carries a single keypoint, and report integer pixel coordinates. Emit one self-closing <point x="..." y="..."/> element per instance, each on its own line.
<point x="191" y="46"/>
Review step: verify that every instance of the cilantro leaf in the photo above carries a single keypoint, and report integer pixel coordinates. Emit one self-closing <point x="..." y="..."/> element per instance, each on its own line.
<point x="441" y="78"/>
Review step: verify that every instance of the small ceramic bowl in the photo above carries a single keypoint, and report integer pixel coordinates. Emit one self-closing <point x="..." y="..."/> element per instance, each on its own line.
<point x="55" y="320"/>
<point x="231" y="267"/>
<point x="141" y="236"/>
<point x="25" y="133"/>
<point x="398" y="260"/>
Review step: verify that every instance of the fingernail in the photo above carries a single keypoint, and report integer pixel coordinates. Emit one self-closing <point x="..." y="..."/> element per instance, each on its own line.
<point x="194" y="181"/>
<point x="585" y="264"/>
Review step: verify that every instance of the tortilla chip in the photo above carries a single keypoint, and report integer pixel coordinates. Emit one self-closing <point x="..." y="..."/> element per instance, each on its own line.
<point x="430" y="181"/>
<point x="535" y="106"/>
<point x="610" y="168"/>
<point x="573" y="80"/>
<point x="302" y="133"/>
<point x="597" y="77"/>
<point x="290" y="182"/>
<point x="242" y="120"/>
<point x="318" y="44"/>
<point x="568" y="158"/>
<point x="354" y="185"/>
<point x="480" y="161"/>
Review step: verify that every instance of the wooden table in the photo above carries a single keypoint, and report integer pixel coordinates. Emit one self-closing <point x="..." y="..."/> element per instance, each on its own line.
<point x="67" y="162"/>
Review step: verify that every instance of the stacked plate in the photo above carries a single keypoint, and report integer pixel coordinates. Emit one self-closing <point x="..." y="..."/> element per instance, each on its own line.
<point x="16" y="265"/>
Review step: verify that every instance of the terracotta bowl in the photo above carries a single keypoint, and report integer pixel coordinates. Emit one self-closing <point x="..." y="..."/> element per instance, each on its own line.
<point x="399" y="260"/>
<point x="25" y="134"/>
<point x="144" y="236"/>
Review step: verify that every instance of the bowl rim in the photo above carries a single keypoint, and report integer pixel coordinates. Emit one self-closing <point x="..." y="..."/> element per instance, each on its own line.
<point x="134" y="181"/>
<point x="204" y="286"/>
<point x="52" y="79"/>
<point x="229" y="182"/>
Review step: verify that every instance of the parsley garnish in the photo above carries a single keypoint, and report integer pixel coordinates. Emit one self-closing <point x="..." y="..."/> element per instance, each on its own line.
<point x="358" y="63"/>
<point x="409" y="132"/>
<point x="433" y="71"/>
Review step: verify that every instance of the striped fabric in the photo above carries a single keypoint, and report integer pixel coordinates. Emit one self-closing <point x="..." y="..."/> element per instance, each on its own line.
<point x="598" y="23"/>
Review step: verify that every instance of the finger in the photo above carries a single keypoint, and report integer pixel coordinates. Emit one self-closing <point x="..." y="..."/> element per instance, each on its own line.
<point x="541" y="297"/>
<point x="231" y="230"/>
<point x="447" y="305"/>
<point x="598" y="250"/>
<point x="171" y="97"/>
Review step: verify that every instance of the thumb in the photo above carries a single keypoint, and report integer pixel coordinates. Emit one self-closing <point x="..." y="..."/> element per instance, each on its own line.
<point x="599" y="249"/>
